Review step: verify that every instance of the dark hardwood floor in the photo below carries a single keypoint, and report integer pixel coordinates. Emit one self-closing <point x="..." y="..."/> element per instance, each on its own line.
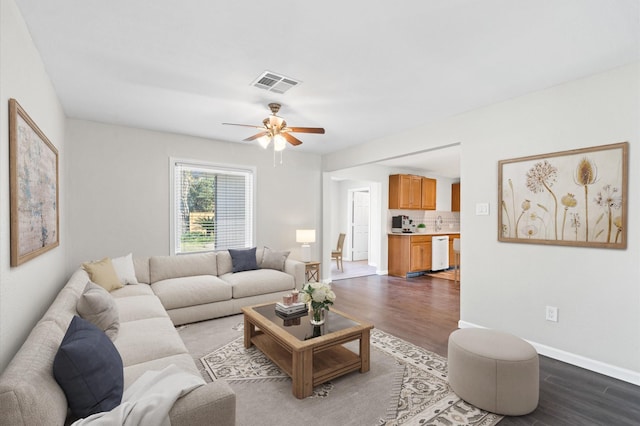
<point x="425" y="310"/>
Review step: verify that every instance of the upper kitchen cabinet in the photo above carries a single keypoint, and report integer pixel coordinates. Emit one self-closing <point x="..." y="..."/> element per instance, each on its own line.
<point x="412" y="192"/>
<point x="405" y="192"/>
<point x="428" y="194"/>
<point x="455" y="197"/>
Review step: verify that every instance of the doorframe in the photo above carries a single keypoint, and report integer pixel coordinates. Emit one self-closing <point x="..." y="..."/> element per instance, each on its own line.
<point x="349" y="239"/>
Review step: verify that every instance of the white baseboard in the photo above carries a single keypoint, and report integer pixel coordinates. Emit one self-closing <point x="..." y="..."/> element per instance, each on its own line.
<point x="577" y="360"/>
<point x="385" y="272"/>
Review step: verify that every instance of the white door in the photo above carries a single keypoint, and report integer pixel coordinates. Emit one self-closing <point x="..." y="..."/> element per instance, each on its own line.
<point x="360" y="225"/>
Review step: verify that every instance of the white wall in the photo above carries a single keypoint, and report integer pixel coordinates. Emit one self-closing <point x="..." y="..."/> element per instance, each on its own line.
<point x="119" y="190"/>
<point x="27" y="290"/>
<point x="507" y="286"/>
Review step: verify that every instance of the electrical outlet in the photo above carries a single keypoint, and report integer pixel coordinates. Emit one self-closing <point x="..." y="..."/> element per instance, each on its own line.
<point x="551" y="314"/>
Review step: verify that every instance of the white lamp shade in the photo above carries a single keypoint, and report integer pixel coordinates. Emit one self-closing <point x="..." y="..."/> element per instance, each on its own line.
<point x="279" y="143"/>
<point x="264" y="141"/>
<point x="305" y="236"/>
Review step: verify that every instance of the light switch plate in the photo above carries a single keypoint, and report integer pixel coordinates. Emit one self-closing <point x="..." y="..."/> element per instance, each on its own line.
<point x="482" y="209"/>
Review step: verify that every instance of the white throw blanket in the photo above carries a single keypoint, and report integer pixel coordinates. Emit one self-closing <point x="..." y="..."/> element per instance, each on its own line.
<point x="148" y="400"/>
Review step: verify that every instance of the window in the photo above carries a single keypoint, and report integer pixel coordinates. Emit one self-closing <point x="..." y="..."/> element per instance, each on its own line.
<point x="212" y="207"/>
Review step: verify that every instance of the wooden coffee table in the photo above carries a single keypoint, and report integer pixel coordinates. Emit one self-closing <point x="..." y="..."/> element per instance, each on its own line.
<point x="309" y="355"/>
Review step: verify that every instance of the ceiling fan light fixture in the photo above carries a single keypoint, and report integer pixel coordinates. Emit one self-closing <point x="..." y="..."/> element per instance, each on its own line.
<point x="276" y="122"/>
<point x="279" y="143"/>
<point x="264" y="141"/>
<point x="275" y="129"/>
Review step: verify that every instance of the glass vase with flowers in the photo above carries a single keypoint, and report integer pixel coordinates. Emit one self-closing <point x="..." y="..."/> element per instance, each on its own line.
<point x="319" y="296"/>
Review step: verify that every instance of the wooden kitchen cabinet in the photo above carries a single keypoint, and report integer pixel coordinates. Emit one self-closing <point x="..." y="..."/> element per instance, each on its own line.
<point x="412" y="192"/>
<point x="455" y="197"/>
<point x="409" y="253"/>
<point x="428" y="194"/>
<point x="405" y="192"/>
<point x="420" y="253"/>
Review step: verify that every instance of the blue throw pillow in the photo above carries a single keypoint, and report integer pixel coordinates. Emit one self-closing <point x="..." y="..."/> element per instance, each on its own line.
<point x="89" y="369"/>
<point x="243" y="259"/>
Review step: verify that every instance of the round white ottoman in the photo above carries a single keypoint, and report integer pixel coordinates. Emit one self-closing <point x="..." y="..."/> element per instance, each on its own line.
<point x="494" y="371"/>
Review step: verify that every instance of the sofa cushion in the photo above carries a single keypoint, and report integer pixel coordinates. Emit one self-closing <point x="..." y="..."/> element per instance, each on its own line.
<point x="243" y="259"/>
<point x="273" y="259"/>
<point x="132" y="290"/>
<point x="189" y="291"/>
<point x="141" y="265"/>
<point x="135" y="308"/>
<point x="183" y="361"/>
<point x="148" y="339"/>
<point x="124" y="269"/>
<point x="261" y="281"/>
<point x="98" y="307"/>
<point x="225" y="264"/>
<point x="89" y="369"/>
<point x="187" y="265"/>
<point x="103" y="273"/>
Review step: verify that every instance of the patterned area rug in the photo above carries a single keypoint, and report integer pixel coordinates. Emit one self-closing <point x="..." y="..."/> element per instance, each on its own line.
<point x="420" y="394"/>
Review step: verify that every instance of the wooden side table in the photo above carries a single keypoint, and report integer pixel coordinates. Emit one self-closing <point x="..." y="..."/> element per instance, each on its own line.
<point x="312" y="272"/>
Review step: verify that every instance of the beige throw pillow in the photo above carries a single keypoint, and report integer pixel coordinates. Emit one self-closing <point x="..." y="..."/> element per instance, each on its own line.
<point x="272" y="259"/>
<point x="97" y="306"/>
<point x="103" y="273"/>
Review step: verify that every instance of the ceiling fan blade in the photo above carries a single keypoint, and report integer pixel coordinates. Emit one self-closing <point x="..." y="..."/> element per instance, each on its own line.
<point x="244" y="125"/>
<point x="306" y="129"/>
<point x="291" y="139"/>
<point x="256" y="136"/>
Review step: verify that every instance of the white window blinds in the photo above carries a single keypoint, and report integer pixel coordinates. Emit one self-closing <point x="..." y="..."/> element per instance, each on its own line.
<point x="212" y="207"/>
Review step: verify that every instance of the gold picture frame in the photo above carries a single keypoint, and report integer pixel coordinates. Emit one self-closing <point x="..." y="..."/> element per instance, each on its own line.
<point x="33" y="180"/>
<point x="570" y="198"/>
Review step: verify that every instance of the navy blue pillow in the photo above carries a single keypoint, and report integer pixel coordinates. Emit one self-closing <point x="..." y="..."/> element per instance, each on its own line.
<point x="243" y="259"/>
<point x="89" y="369"/>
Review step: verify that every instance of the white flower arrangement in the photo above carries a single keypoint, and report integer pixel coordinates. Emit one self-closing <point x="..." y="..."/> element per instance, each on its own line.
<point x="318" y="294"/>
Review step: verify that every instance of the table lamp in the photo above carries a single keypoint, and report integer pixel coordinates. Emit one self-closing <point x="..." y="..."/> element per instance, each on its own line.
<point x="306" y="236"/>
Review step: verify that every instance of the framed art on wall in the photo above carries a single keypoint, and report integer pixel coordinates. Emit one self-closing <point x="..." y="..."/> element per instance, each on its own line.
<point x="33" y="179"/>
<point x="572" y="198"/>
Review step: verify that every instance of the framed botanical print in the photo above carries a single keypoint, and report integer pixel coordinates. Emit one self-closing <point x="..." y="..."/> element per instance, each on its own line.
<point x="572" y="198"/>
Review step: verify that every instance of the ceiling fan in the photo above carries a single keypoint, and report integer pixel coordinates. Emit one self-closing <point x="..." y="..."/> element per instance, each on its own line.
<point x="276" y="129"/>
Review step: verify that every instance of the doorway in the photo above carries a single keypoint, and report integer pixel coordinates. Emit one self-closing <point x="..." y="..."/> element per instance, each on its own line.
<point x="359" y="213"/>
<point x="355" y="210"/>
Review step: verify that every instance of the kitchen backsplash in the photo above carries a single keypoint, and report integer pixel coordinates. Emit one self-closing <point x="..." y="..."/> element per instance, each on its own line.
<point x="435" y="221"/>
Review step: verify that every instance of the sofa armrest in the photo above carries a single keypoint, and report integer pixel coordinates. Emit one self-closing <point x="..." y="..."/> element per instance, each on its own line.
<point x="211" y="404"/>
<point x="297" y="269"/>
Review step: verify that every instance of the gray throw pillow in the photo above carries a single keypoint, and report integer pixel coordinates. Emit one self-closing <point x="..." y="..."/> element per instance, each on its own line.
<point x="272" y="259"/>
<point x="243" y="259"/>
<point x="97" y="306"/>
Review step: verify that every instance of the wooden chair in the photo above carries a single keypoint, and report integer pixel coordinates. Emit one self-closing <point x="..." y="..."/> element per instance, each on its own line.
<point x="456" y="252"/>
<point x="337" y="253"/>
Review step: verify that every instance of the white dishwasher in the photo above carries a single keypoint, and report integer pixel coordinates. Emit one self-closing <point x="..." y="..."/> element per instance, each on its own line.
<point x="439" y="252"/>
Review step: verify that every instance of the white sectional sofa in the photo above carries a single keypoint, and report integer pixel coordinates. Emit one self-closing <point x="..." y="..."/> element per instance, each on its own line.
<point x="203" y="286"/>
<point x="172" y="290"/>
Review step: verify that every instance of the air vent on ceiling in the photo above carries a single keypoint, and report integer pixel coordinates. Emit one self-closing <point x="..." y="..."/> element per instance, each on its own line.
<point x="274" y="82"/>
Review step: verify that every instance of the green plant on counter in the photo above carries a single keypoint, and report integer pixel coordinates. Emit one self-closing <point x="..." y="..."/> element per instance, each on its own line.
<point x="422" y="225"/>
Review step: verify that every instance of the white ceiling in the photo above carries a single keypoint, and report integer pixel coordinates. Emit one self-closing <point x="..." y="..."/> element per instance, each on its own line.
<point x="443" y="162"/>
<point x="369" y="68"/>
